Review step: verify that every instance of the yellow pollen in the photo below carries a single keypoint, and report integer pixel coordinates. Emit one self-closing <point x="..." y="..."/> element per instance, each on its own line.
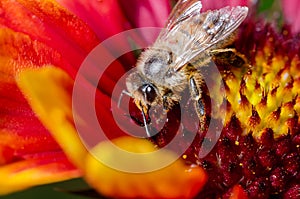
<point x="266" y="95"/>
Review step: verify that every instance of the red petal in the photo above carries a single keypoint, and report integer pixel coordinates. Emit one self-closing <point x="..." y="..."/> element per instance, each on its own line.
<point x="105" y="18"/>
<point x="20" y="130"/>
<point x="22" y="136"/>
<point x="146" y="13"/>
<point x="49" y="23"/>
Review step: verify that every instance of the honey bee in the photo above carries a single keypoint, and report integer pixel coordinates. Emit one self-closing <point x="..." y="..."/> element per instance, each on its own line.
<point x="189" y="41"/>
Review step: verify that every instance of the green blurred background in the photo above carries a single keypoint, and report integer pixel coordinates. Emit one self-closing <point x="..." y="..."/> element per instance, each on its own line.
<point x="60" y="190"/>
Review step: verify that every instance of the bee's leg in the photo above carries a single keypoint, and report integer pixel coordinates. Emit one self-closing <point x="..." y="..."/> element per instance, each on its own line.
<point x="165" y="102"/>
<point x="222" y="50"/>
<point x="195" y="82"/>
<point x="145" y="124"/>
<point x="229" y="57"/>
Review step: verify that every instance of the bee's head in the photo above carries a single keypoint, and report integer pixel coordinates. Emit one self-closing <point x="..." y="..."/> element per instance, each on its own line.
<point x="145" y="94"/>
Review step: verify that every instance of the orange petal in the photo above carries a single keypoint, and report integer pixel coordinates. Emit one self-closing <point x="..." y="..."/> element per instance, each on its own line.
<point x="48" y="91"/>
<point x="36" y="170"/>
<point x="20" y="129"/>
<point x="174" y="181"/>
<point x="238" y="193"/>
<point x="21" y="133"/>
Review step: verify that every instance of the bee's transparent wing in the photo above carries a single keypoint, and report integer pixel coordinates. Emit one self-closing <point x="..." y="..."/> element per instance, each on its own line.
<point x="183" y="10"/>
<point x="189" y="32"/>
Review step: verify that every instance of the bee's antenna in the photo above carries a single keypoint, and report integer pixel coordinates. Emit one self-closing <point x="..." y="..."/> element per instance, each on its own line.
<point x="145" y="123"/>
<point x="121" y="96"/>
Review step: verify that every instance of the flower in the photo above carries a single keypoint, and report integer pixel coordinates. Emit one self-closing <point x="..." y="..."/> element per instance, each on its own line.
<point x="254" y="156"/>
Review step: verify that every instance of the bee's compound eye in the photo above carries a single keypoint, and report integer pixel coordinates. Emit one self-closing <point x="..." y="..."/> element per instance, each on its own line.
<point x="149" y="91"/>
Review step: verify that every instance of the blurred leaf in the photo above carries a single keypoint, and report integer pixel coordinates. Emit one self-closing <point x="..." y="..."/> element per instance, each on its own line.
<point x="72" y="189"/>
<point x="271" y="11"/>
<point x="264" y="5"/>
<point x="89" y="193"/>
<point x="134" y="45"/>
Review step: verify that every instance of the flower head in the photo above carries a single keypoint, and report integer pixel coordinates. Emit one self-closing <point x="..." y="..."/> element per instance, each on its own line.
<point x="257" y="148"/>
<point x="44" y="45"/>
